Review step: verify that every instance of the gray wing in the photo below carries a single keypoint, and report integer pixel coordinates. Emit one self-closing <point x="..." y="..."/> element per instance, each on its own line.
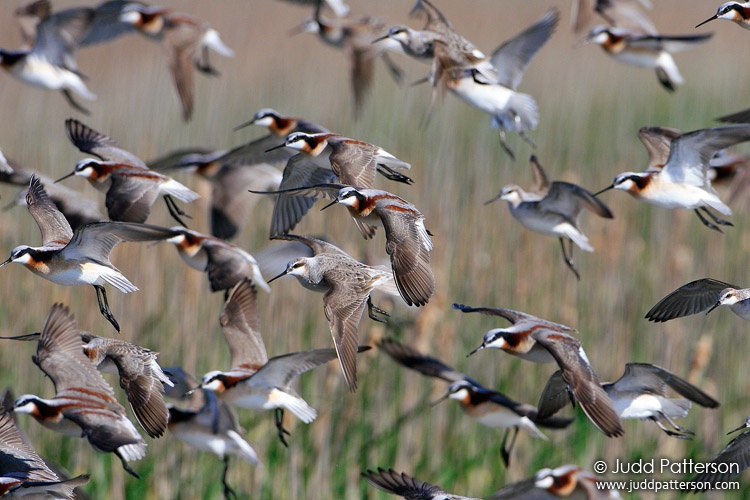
<point x="241" y="327"/>
<point x="104" y="147"/>
<point x="96" y="241"/>
<point x="60" y="354"/>
<point x="353" y="165"/>
<point x="182" y="41"/>
<point x="280" y="371"/>
<point x="555" y="396"/>
<point x="736" y="452"/>
<point x="415" y="360"/>
<point x="695" y="149"/>
<point x="570" y="199"/>
<point x="581" y="379"/>
<point x="231" y="206"/>
<point x="138" y="379"/>
<point x="254" y="152"/>
<point x="658" y="143"/>
<point x="317" y="246"/>
<point x="512" y="316"/>
<point x="512" y="57"/>
<point x="51" y="221"/>
<point x="410" y="255"/>
<point x="130" y="197"/>
<point x="522" y="490"/>
<point x="640" y="375"/>
<point x="626" y="14"/>
<point x="290" y="208"/>
<point x="106" y="24"/>
<point x="17" y="457"/>
<point x="404" y="485"/>
<point x="343" y="304"/>
<point x="693" y="298"/>
<point x="667" y="43"/>
<point x="58" y="36"/>
<point x="541" y="181"/>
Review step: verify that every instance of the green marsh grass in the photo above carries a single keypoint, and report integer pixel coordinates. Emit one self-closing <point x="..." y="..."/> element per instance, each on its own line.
<point x="591" y="108"/>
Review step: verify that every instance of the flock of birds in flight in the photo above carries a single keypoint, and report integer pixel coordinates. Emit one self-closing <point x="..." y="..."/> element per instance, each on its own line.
<point x="318" y="164"/>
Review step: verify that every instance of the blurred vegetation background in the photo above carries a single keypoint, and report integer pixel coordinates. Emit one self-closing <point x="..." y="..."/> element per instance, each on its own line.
<point x="591" y="109"/>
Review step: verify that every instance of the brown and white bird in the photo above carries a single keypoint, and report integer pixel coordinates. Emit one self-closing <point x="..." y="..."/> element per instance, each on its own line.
<point x="186" y="38"/>
<point x="565" y="481"/>
<point x="553" y="208"/>
<point x="542" y="341"/>
<point x="81" y="257"/>
<point x="23" y="473"/>
<point x="84" y="404"/>
<point x="641" y="392"/>
<point x="346" y="285"/>
<point x="225" y="264"/>
<point x="131" y="187"/>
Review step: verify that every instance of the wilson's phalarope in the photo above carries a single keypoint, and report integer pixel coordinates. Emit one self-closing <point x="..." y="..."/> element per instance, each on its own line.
<point x="510" y="110"/>
<point x="80" y="257"/>
<point x="701" y="295"/>
<point x="50" y="63"/>
<point x="486" y="406"/>
<point x="363" y="42"/>
<point x="553" y="209"/>
<point x="737" y="12"/>
<point x="408" y="487"/>
<point x="188" y="40"/>
<point x="84" y="404"/>
<point x="566" y="481"/>
<point x="224" y="263"/>
<point x="682" y="180"/>
<point x="131" y="187"/>
<point x="620" y="13"/>
<point x="24" y="473"/>
<point x="641" y="392"/>
<point x="256" y="382"/>
<point x="140" y="375"/>
<point x="213" y="427"/>
<point x="408" y="241"/>
<point x="346" y="284"/>
<point x="646" y="50"/>
<point x="735" y="453"/>
<point x="541" y="341"/>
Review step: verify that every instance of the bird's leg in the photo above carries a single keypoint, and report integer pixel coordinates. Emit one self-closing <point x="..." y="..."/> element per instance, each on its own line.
<point x="505" y="451"/>
<point x="392" y="175"/>
<point x="569" y="258"/>
<point x="72" y="102"/>
<point x="204" y="66"/>
<point x="527" y="139"/>
<point x="373" y="311"/>
<point x="675" y="426"/>
<point x="678" y="435"/>
<point x="278" y="416"/>
<point x="706" y="222"/>
<point x="174" y="210"/>
<point x="505" y="146"/>
<point x="228" y="491"/>
<point x="126" y="466"/>
<point x="395" y="71"/>
<point x="101" y="297"/>
<point x="716" y="219"/>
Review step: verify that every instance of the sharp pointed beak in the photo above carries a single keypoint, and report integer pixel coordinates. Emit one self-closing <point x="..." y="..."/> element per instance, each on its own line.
<point x="191" y="391"/>
<point x="28" y="336"/>
<point x="330" y="204"/>
<point x="611" y="186"/>
<point x="10" y="259"/>
<point x="243" y="125"/>
<point x="494" y="199"/>
<point x="713" y="307"/>
<point x="744" y="425"/>
<point x="475" y="350"/>
<point x="282" y="145"/>
<point x="278" y="276"/>
<point x="707" y="20"/>
<point x="379" y="39"/>
<point x="441" y="399"/>
<point x="65" y="176"/>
